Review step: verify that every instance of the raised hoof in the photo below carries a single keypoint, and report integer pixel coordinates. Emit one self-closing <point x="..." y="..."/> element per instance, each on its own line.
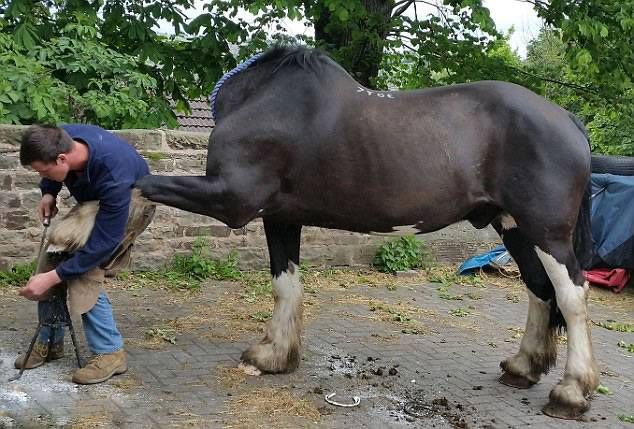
<point x="516" y="381"/>
<point x="565" y="411"/>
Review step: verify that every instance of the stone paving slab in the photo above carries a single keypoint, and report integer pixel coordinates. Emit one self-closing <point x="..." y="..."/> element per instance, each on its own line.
<point x="350" y="348"/>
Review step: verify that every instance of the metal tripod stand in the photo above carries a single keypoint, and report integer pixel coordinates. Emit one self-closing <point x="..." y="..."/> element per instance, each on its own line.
<point x="56" y="316"/>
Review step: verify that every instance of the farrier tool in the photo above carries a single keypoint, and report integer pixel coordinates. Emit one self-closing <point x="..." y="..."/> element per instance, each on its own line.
<point x="56" y="314"/>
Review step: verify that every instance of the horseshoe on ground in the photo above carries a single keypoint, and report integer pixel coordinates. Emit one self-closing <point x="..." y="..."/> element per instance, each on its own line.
<point x="328" y="399"/>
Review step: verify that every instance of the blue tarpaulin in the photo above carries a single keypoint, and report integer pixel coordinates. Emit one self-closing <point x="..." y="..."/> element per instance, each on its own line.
<point x="613" y="220"/>
<point x="483" y="259"/>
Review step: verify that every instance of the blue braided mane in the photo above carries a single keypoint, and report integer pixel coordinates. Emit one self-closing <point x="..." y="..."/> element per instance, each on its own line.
<point x="240" y="67"/>
<point x="301" y="56"/>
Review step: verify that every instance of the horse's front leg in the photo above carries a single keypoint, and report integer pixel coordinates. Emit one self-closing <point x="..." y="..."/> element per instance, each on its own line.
<point x="279" y="350"/>
<point x="569" y="398"/>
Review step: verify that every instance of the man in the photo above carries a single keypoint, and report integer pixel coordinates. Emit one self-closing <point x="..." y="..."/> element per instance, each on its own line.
<point x="95" y="165"/>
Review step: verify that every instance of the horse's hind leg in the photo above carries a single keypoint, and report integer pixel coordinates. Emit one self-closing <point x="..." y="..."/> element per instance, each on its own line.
<point x="279" y="350"/>
<point x="538" y="349"/>
<point x="568" y="399"/>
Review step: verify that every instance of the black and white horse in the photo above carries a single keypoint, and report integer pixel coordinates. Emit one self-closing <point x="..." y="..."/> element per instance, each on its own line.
<point x="298" y="142"/>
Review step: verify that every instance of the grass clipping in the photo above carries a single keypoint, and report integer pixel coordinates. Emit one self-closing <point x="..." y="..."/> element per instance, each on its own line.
<point x="230" y="377"/>
<point x="268" y="407"/>
<point x="100" y="419"/>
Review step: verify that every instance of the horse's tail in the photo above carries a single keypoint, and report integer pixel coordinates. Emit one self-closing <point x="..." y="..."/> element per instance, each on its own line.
<point x="582" y="238"/>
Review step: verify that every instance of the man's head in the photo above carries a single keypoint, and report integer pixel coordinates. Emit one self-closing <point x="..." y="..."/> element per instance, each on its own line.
<point x="45" y="148"/>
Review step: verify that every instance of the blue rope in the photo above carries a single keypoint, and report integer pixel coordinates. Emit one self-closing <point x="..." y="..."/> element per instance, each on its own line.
<point x="224" y="78"/>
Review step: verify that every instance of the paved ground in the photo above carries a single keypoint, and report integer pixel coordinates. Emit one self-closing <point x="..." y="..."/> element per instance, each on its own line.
<point x="388" y="341"/>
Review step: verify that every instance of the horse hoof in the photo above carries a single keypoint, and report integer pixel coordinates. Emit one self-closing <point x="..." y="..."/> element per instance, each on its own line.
<point x="516" y="381"/>
<point x="565" y="411"/>
<point x="249" y="369"/>
<point x="268" y="359"/>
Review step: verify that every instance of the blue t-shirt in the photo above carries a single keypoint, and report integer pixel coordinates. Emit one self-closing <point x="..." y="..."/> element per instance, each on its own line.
<point x="112" y="169"/>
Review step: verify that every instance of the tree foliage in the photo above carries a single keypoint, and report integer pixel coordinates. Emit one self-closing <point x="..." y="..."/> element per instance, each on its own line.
<point x="75" y="77"/>
<point x="598" y="39"/>
<point x="587" y="58"/>
<point x="607" y="114"/>
<point x="103" y="61"/>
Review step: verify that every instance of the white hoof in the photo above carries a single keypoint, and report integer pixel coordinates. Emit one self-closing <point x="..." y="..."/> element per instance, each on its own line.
<point x="249" y="369"/>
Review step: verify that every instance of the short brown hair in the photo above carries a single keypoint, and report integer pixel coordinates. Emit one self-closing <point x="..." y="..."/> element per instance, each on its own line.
<point x="44" y="143"/>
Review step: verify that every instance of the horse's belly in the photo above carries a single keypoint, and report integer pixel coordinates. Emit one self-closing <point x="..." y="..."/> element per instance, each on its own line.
<point x="369" y="213"/>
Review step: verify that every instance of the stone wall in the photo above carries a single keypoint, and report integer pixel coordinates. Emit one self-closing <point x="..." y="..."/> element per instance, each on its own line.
<point x="184" y="153"/>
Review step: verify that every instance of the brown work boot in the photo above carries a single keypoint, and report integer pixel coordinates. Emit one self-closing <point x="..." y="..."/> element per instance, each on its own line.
<point x="101" y="367"/>
<point x="39" y="355"/>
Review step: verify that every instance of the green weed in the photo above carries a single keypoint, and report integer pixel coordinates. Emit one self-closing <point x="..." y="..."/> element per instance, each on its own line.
<point x="459" y="312"/>
<point x="167" y="335"/>
<point x="625" y="418"/>
<point x="200" y="266"/>
<point x="261" y="316"/>
<point x="449" y="279"/>
<point x="403" y="253"/>
<point x="442" y="293"/>
<point x="395" y="316"/>
<point x="613" y="325"/>
<point x="18" y="275"/>
<point x="188" y="271"/>
<point x="154" y="156"/>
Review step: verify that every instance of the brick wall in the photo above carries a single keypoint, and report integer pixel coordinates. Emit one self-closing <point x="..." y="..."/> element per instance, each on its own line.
<point x="179" y="152"/>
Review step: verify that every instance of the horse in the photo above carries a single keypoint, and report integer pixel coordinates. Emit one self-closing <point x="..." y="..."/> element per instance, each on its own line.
<point x="297" y="141"/>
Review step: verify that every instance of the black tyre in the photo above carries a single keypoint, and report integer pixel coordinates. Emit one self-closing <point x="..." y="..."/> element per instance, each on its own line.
<point x="618" y="165"/>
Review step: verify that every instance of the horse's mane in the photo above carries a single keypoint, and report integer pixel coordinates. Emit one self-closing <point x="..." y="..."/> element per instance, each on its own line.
<point x="281" y="57"/>
<point x="299" y="56"/>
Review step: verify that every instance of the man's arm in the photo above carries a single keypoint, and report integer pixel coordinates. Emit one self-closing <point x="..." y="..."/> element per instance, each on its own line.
<point x="39" y="284"/>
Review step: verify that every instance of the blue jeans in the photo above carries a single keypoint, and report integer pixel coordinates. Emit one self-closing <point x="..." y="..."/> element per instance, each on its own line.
<point x="100" y="328"/>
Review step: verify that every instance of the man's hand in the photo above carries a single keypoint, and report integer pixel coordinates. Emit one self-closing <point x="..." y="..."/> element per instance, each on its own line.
<point x="47" y="207"/>
<point x="37" y="287"/>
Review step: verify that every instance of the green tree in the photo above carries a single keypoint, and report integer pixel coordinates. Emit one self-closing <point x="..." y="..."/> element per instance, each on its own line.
<point x="598" y="39"/>
<point x="76" y="77"/>
<point x="495" y="61"/>
<point x="592" y="41"/>
<point x="608" y="116"/>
